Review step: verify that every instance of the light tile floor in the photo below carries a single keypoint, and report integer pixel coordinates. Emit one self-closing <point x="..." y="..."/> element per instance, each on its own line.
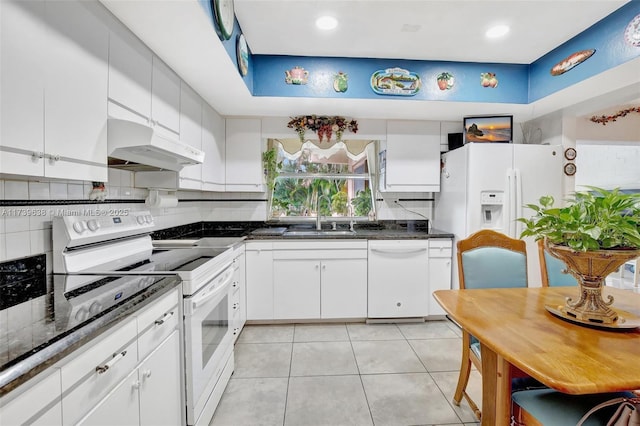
<point x="347" y="374"/>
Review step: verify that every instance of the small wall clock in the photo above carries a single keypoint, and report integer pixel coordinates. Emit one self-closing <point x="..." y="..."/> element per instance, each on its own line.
<point x="225" y="16"/>
<point x="570" y="154"/>
<point x="569" y="169"/>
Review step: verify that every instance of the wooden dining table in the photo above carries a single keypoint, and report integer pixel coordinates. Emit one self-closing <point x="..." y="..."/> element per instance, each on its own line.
<point x="516" y="332"/>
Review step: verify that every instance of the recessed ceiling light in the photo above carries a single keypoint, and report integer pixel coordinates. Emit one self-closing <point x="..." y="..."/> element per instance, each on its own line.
<point x="326" y="22"/>
<point x="497" y="31"/>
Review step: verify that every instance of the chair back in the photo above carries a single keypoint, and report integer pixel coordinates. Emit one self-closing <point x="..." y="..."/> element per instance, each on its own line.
<point x="490" y="259"/>
<point x="552" y="269"/>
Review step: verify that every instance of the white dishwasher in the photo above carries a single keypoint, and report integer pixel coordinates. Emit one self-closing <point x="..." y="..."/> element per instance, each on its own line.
<point x="398" y="278"/>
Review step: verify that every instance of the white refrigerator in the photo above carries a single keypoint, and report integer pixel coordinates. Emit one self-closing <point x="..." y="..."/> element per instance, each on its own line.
<point x="486" y="185"/>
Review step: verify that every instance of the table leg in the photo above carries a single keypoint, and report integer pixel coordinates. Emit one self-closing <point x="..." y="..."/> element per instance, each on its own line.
<point x="496" y="389"/>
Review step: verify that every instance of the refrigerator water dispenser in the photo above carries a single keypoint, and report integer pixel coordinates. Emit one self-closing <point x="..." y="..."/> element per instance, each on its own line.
<point x="491" y="205"/>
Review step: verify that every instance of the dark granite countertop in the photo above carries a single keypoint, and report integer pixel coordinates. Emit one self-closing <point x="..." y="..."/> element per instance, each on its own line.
<point x="382" y="230"/>
<point x="47" y="324"/>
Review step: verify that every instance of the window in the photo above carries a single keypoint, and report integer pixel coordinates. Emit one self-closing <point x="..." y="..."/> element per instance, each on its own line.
<point x="332" y="180"/>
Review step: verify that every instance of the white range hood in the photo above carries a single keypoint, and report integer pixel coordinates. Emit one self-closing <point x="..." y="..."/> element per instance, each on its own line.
<point x="138" y="144"/>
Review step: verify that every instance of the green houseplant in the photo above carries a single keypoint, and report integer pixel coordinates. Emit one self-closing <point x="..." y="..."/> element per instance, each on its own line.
<point x="594" y="234"/>
<point x="271" y="166"/>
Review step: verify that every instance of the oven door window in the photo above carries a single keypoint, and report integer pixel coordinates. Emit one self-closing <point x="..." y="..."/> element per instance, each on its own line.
<point x="213" y="329"/>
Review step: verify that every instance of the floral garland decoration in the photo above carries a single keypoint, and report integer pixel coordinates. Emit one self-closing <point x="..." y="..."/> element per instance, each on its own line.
<point x="604" y="119"/>
<point x="324" y="126"/>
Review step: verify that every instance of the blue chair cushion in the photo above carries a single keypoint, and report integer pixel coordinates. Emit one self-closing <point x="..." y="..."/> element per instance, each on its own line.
<point x="494" y="267"/>
<point x="553" y="408"/>
<point x="555" y="267"/>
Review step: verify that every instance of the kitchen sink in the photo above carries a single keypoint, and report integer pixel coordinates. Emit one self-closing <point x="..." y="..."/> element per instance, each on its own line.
<point x="316" y="233"/>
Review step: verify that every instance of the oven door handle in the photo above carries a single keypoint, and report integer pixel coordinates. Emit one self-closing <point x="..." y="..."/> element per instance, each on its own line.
<point x="224" y="286"/>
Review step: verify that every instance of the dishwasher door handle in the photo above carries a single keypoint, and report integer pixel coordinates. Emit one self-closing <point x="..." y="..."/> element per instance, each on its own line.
<point x="399" y="251"/>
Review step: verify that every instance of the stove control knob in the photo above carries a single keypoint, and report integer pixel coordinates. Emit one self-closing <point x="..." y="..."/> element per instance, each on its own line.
<point x="148" y="218"/>
<point x="93" y="225"/>
<point x="95" y="308"/>
<point x="80" y="227"/>
<point x="140" y="220"/>
<point x="81" y="315"/>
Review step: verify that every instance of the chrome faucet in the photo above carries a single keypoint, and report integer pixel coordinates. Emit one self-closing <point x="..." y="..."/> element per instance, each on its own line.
<point x="318" y="215"/>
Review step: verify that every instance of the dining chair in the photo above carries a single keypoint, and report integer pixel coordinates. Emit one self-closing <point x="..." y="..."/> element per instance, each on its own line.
<point x="553" y="270"/>
<point x="486" y="259"/>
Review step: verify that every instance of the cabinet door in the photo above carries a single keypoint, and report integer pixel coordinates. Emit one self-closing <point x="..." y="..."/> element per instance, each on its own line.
<point x="22" y="48"/>
<point x="259" y="284"/>
<point x="165" y="98"/>
<point x="76" y="76"/>
<point x="296" y="289"/>
<point x="160" y="396"/>
<point x="130" y="63"/>
<point x="38" y="405"/>
<point x="213" y="145"/>
<point x="190" y="177"/>
<point x="413" y="156"/>
<point x="244" y="155"/>
<point x="439" y="279"/>
<point x="343" y="288"/>
<point x="241" y="278"/>
<point x="120" y="406"/>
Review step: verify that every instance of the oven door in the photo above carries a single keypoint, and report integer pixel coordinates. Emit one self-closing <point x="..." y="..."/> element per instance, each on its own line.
<point x="208" y="340"/>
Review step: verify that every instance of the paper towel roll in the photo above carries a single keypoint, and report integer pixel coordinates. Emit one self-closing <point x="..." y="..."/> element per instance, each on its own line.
<point x="156" y="200"/>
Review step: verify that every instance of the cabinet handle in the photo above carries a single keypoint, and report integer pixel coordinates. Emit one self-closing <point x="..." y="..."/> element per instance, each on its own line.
<point x="234" y="284"/>
<point x="236" y="331"/>
<point x="37" y="155"/>
<point x="116" y="357"/>
<point x="136" y="384"/>
<point x="146" y="374"/>
<point x="235" y="305"/>
<point x="324" y="267"/>
<point x="164" y="318"/>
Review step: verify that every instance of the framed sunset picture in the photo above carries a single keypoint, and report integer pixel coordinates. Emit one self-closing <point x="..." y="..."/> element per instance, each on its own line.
<point x="494" y="128"/>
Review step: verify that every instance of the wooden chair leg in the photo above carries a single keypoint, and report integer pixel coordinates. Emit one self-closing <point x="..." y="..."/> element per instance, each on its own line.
<point x="463" y="378"/>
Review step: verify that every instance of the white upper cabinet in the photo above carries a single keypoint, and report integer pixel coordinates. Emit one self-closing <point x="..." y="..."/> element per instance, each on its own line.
<point x="22" y="86"/>
<point x="244" y="155"/>
<point x="213" y="145"/>
<point x="76" y="75"/>
<point x="191" y="134"/>
<point x="412" y="157"/>
<point x="54" y="87"/>
<point x="130" y="63"/>
<point x="165" y="97"/>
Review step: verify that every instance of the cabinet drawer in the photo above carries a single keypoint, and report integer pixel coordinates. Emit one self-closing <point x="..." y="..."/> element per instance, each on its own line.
<point x="36" y="404"/>
<point x="434" y="243"/>
<point x="319" y="254"/>
<point x="156" y="323"/>
<point x="83" y="385"/>
<point x="440" y="252"/>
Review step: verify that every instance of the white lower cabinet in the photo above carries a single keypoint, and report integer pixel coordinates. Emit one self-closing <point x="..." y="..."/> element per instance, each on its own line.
<point x="150" y="395"/>
<point x="439" y="271"/>
<point x="320" y="279"/>
<point x="259" y="263"/>
<point x="160" y="383"/>
<point x="120" y="406"/>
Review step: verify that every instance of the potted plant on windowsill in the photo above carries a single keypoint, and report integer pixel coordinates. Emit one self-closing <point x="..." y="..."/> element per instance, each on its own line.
<point x="594" y="234"/>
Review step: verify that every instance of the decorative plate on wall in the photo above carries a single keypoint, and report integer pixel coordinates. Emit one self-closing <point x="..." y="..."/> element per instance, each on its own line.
<point x="243" y="55"/>
<point x="570" y="154"/>
<point x="225" y="16"/>
<point x="632" y="32"/>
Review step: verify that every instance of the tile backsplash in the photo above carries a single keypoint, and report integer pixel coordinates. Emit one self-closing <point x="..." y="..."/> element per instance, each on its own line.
<point x="25" y="228"/>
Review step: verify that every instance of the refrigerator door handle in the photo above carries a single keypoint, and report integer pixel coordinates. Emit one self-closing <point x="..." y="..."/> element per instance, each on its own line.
<point x="511" y="200"/>
<point x="517" y="226"/>
<point x="506" y="208"/>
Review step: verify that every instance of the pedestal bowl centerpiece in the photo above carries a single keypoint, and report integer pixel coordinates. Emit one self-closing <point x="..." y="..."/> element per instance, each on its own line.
<point x="594" y="234"/>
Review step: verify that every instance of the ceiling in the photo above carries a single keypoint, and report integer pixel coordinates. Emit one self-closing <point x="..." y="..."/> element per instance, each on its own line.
<point x="183" y="36"/>
<point x="451" y="30"/>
